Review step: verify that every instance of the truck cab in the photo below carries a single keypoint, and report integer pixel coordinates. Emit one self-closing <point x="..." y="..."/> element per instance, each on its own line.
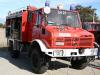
<point x="61" y="29"/>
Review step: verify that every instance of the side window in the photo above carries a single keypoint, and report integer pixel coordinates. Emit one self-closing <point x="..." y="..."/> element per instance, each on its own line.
<point x="30" y="15"/>
<point x="12" y="25"/>
<point x="8" y="31"/>
<point x="38" y="19"/>
<point x="8" y="28"/>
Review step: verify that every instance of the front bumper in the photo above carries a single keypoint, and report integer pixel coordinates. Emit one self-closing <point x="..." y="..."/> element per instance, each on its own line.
<point x="71" y="52"/>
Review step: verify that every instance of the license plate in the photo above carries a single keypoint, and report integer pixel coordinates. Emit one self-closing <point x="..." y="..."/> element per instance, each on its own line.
<point x="58" y="53"/>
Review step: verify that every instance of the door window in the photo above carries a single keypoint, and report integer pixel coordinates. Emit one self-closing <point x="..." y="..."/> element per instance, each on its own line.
<point x="38" y="19"/>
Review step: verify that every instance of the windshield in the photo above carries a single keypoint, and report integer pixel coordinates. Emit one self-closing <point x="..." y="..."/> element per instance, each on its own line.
<point x="63" y="17"/>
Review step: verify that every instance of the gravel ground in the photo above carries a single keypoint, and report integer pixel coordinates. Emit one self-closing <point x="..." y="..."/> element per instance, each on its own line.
<point x="21" y="66"/>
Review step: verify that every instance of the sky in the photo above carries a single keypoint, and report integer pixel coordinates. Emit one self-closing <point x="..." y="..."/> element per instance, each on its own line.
<point x="12" y="5"/>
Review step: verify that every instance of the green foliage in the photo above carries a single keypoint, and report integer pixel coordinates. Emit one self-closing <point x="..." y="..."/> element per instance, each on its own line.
<point x="87" y="13"/>
<point x="2" y="25"/>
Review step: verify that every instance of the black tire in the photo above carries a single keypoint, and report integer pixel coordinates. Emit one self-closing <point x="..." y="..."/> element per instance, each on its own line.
<point x="39" y="65"/>
<point x="79" y="64"/>
<point x="13" y="53"/>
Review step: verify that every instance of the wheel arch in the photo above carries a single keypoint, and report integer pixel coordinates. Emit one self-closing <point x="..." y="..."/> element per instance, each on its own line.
<point x="39" y="44"/>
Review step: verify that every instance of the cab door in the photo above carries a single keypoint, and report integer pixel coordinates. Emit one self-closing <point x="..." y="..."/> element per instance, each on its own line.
<point x="37" y="25"/>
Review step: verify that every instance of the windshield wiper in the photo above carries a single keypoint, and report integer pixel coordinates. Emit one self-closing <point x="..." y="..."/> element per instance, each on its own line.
<point x="64" y="24"/>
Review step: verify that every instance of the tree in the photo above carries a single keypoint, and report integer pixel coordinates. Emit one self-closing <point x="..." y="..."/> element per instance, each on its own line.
<point x="2" y="25"/>
<point x="87" y="14"/>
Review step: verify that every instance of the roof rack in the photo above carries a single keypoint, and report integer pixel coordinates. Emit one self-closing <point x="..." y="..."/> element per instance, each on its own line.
<point x="17" y="10"/>
<point x="16" y="13"/>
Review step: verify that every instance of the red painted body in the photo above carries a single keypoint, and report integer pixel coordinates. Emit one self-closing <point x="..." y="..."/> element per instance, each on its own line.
<point x="45" y="35"/>
<point x="78" y="38"/>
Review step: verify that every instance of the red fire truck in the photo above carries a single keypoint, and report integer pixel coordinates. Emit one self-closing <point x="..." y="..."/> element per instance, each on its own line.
<point x="48" y="33"/>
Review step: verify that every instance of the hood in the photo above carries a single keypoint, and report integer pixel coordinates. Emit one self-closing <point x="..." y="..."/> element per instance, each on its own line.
<point x="65" y="31"/>
<point x="69" y="37"/>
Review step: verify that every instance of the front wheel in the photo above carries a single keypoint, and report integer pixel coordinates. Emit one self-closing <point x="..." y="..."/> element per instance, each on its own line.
<point x="39" y="63"/>
<point x="79" y="63"/>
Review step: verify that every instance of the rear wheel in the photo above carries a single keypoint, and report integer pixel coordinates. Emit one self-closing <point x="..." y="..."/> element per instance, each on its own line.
<point x="79" y="63"/>
<point x="39" y="63"/>
<point x="13" y="53"/>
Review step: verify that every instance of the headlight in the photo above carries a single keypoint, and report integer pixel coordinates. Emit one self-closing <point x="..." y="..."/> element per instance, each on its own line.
<point x="59" y="43"/>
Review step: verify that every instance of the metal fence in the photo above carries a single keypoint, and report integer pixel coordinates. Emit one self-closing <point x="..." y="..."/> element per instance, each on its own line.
<point x="3" y="40"/>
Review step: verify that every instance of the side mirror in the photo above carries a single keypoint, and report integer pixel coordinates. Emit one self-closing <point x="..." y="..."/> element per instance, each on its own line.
<point x="43" y="30"/>
<point x="37" y="26"/>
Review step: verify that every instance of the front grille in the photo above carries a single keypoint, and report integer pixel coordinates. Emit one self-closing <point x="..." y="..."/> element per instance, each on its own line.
<point x="68" y="42"/>
<point x="85" y="42"/>
<point x="79" y="42"/>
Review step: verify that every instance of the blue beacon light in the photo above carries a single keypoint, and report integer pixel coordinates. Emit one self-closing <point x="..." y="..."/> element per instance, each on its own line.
<point x="47" y="3"/>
